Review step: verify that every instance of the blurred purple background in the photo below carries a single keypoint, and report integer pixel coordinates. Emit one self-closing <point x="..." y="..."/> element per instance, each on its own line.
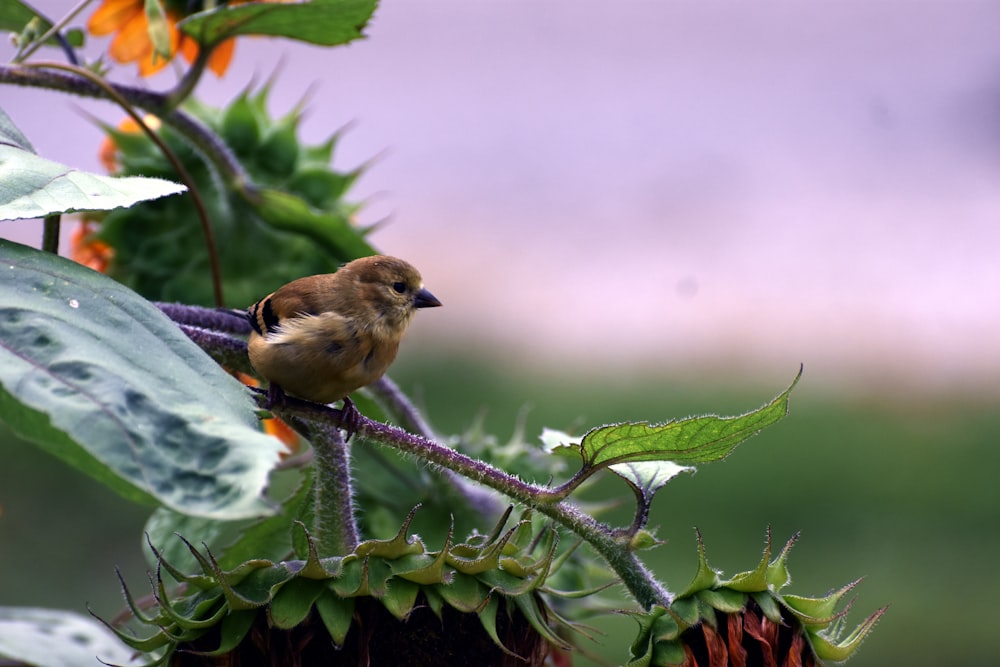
<point x="675" y="185"/>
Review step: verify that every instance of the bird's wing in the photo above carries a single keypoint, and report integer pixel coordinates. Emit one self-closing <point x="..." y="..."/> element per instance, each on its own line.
<point x="298" y="298"/>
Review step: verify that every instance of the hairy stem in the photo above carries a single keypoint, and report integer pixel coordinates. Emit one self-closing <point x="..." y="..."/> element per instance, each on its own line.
<point x="636" y="577"/>
<point x="50" y="234"/>
<point x="334" y="527"/>
<point x="227" y="351"/>
<point x="399" y="408"/>
<point x="190" y="79"/>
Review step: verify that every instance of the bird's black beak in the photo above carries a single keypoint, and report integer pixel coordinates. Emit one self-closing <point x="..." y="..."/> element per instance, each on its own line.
<point x="425" y="299"/>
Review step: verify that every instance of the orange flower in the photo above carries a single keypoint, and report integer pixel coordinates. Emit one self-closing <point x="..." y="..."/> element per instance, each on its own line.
<point x="273" y="425"/>
<point x="87" y="250"/>
<point x="132" y="43"/>
<point x="108" y="151"/>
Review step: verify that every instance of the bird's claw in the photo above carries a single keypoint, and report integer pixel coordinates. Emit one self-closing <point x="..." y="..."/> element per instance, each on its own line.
<point x="275" y="395"/>
<point x="350" y="418"/>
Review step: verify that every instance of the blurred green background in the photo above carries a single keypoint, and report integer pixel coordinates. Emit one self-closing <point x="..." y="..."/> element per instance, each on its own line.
<point x="700" y="180"/>
<point x="893" y="486"/>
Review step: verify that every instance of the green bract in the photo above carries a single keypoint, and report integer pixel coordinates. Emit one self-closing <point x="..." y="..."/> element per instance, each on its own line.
<point x="747" y="613"/>
<point x="497" y="578"/>
<point x="294" y="221"/>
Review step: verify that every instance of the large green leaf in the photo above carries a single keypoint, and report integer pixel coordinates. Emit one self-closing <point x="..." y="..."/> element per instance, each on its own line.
<point x="231" y="542"/>
<point x="101" y="378"/>
<point x="54" y="638"/>
<point x="33" y="187"/>
<point x="15" y="15"/>
<point x="685" y="442"/>
<point x="323" y="22"/>
<point x="330" y="230"/>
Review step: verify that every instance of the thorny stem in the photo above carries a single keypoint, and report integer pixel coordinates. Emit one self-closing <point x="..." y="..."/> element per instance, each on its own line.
<point x="635" y="576"/>
<point x="391" y="399"/>
<point x="399" y="408"/>
<point x="187" y="84"/>
<point x="334" y="527"/>
<point x="182" y="172"/>
<point x="50" y="234"/>
<point x="227" y="351"/>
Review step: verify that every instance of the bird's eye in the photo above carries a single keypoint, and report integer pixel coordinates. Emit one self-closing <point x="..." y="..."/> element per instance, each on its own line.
<point x="400" y="287"/>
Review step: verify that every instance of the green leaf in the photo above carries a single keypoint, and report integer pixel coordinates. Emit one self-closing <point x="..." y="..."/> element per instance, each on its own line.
<point x="817" y="611"/>
<point x="331" y="231"/>
<point x="14" y="15"/>
<point x="835" y="650"/>
<point x="33" y="187"/>
<point x="723" y="599"/>
<point x="163" y="527"/>
<point x="685" y="442"/>
<point x="400" y="597"/>
<point x="232" y="542"/>
<point x="323" y="22"/>
<point x="54" y="638"/>
<point x="100" y="378"/>
<point x="559" y="442"/>
<point x="706" y="577"/>
<point x="232" y="630"/>
<point x="293" y="602"/>
<point x="10" y="134"/>
<point x="337" y="614"/>
<point x="756" y="579"/>
<point x="26" y="24"/>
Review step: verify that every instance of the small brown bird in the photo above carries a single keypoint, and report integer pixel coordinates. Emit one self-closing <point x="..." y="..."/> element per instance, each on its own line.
<point x="322" y="337"/>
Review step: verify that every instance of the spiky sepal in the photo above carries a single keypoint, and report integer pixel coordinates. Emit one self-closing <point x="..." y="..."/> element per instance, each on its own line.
<point x="294" y="219"/>
<point x="747" y="620"/>
<point x="261" y="609"/>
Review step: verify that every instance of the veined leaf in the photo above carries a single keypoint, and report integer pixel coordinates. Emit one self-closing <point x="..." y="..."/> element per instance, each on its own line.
<point x="54" y="638"/>
<point x="231" y="542"/>
<point x="685" y="442"/>
<point x="15" y="16"/>
<point x="289" y="212"/>
<point x="99" y="377"/>
<point x="323" y="22"/>
<point x="33" y="187"/>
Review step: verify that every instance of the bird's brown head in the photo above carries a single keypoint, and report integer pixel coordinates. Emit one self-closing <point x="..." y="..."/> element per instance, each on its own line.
<point x="394" y="287"/>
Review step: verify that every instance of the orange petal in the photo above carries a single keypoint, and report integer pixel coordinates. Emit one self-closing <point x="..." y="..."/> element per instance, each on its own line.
<point x="218" y="62"/>
<point x="188" y="48"/>
<point x="283" y="432"/>
<point x="108" y="155"/>
<point x="132" y="41"/>
<point x="112" y="15"/>
<point x="88" y="251"/>
<point x="150" y="64"/>
<point x="223" y="54"/>
<point x="273" y="425"/>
